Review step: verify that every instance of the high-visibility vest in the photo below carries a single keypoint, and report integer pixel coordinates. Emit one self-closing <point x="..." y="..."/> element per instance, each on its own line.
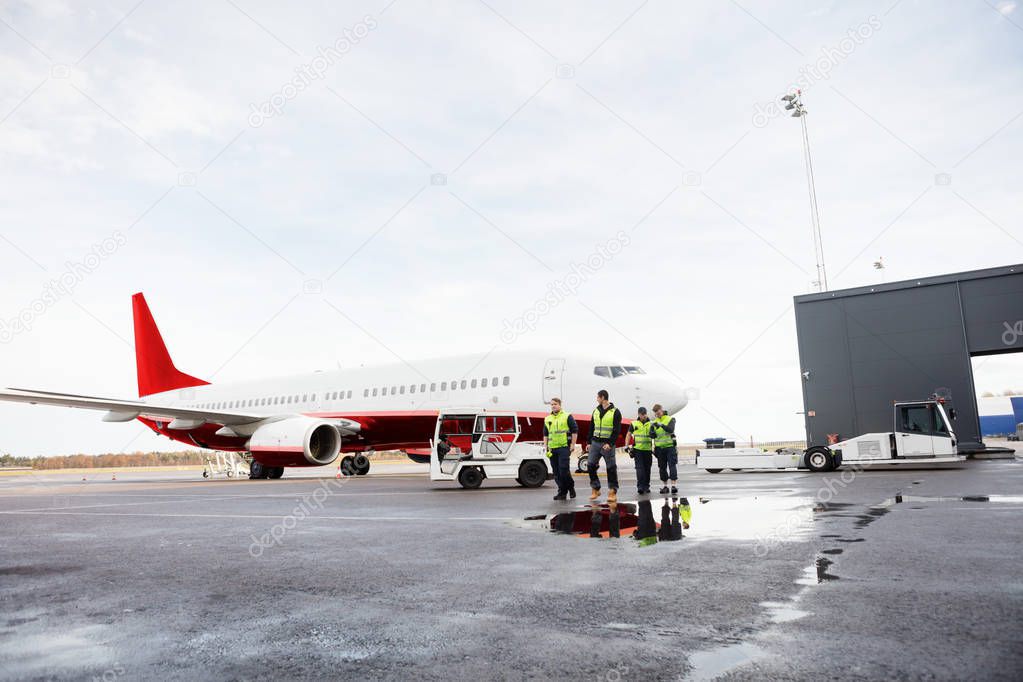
<point x="641" y="435"/>
<point x="557" y="430"/>
<point x="604" y="426"/>
<point x="662" y="438"/>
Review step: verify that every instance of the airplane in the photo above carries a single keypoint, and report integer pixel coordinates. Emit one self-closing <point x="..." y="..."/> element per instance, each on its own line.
<point x="309" y="420"/>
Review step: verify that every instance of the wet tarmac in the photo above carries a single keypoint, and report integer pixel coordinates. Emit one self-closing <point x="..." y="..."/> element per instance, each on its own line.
<point x="908" y="575"/>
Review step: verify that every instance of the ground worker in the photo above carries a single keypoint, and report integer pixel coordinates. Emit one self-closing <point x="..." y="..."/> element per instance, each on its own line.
<point x="665" y="449"/>
<point x="641" y="450"/>
<point x="559" y="437"/>
<point x="604" y="430"/>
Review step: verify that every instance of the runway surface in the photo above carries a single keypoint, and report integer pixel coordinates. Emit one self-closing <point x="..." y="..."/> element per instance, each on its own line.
<point x="784" y="575"/>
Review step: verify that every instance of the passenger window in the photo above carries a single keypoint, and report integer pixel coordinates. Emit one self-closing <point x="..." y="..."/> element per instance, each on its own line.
<point x="349" y="394"/>
<point x="464" y="382"/>
<point x="493" y="382"/>
<point x="374" y="393"/>
<point x="507" y="380"/>
<point x="412" y="388"/>
<point x="617" y="372"/>
<point x="394" y="390"/>
<point x="483" y="382"/>
<point x="634" y="370"/>
<point x="602" y="371"/>
<point x="422" y="388"/>
<point x="401" y="389"/>
<point x="443" y="385"/>
<point x="433" y="387"/>
<point x="365" y="393"/>
<point x="474" y="383"/>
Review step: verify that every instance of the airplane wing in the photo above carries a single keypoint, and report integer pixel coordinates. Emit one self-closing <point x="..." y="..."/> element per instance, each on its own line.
<point x="126" y="410"/>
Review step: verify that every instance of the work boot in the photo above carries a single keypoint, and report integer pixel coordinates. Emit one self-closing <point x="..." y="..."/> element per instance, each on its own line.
<point x="612" y="496"/>
<point x="674" y="490"/>
<point x="560" y="497"/>
<point x="571" y="493"/>
<point x="664" y="490"/>
<point x="594" y="494"/>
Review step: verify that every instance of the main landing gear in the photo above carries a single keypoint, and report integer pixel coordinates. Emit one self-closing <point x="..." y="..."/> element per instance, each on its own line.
<point x="257" y="470"/>
<point x="355" y="465"/>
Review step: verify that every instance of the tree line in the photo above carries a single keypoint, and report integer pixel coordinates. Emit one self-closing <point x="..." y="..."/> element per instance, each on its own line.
<point x="121" y="460"/>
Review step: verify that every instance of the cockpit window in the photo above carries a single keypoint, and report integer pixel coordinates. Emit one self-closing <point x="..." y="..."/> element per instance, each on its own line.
<point x="634" y="370"/>
<point x="602" y="371"/>
<point x="617" y="372"/>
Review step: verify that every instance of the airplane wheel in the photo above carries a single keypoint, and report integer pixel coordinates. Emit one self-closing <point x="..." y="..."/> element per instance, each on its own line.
<point x="533" y="473"/>
<point x="470" y="477"/>
<point x="205" y="473"/>
<point x="257" y="470"/>
<point x="348" y="465"/>
<point x="819" y="459"/>
<point x="360" y="464"/>
<point x="275" y="473"/>
<point x="582" y="464"/>
<point x="713" y="471"/>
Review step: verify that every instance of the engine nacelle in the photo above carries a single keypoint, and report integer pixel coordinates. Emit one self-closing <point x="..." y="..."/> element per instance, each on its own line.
<point x="296" y="441"/>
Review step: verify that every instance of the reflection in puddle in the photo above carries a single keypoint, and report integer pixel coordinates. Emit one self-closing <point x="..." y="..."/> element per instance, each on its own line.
<point x="665" y="519"/>
<point x="708" y="665"/>
<point x="817" y="572"/>
<point x="783" y="612"/>
<point x="610" y="520"/>
<point x="1005" y="499"/>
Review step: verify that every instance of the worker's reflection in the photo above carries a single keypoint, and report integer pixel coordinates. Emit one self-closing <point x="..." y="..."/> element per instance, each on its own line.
<point x="614" y="520"/>
<point x="664" y="531"/>
<point x="686" y="513"/>
<point x="645" y="527"/>
<point x="676" y="524"/>
<point x="595" y="522"/>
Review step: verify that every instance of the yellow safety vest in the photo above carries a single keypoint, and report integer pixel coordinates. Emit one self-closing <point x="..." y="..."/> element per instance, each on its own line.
<point x="604" y="426"/>
<point x="662" y="438"/>
<point x="641" y="435"/>
<point x="557" y="430"/>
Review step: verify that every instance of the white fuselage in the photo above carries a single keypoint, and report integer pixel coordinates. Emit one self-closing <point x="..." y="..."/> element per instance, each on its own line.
<point x="523" y="381"/>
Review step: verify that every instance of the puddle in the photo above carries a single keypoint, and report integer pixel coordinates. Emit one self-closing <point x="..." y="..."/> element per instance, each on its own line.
<point x="997" y="499"/>
<point x="708" y="665"/>
<point x="672" y="519"/>
<point x="817" y="572"/>
<point x="783" y="612"/>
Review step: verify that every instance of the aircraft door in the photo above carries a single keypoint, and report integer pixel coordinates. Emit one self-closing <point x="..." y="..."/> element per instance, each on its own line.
<point x="553" y="379"/>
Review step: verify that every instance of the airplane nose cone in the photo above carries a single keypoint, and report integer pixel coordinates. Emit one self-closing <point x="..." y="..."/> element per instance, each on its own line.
<point x="674" y="397"/>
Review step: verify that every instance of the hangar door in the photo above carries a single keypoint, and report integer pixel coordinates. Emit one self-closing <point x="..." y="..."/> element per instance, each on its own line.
<point x="862" y="349"/>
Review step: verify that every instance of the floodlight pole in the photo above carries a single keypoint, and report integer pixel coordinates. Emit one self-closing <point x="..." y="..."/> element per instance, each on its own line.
<point x="794" y="103"/>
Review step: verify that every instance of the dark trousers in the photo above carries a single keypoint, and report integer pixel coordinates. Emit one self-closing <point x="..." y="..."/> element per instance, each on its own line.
<point x="667" y="463"/>
<point x="593" y="461"/>
<point x="562" y="465"/>
<point x="644" y="462"/>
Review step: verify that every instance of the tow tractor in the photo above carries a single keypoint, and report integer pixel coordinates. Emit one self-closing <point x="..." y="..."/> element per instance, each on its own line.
<point x="922" y="436"/>
<point x="486" y="444"/>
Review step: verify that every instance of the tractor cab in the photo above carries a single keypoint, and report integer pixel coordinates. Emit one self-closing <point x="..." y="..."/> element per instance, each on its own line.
<point x="484" y="444"/>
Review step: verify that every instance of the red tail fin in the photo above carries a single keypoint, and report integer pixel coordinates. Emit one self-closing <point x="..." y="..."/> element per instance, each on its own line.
<point x="156" y="370"/>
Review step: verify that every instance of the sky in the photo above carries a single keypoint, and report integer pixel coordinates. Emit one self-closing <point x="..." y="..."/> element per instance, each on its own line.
<point x="304" y="186"/>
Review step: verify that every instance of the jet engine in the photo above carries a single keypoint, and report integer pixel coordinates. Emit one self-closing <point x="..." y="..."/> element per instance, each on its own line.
<point x="296" y="441"/>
